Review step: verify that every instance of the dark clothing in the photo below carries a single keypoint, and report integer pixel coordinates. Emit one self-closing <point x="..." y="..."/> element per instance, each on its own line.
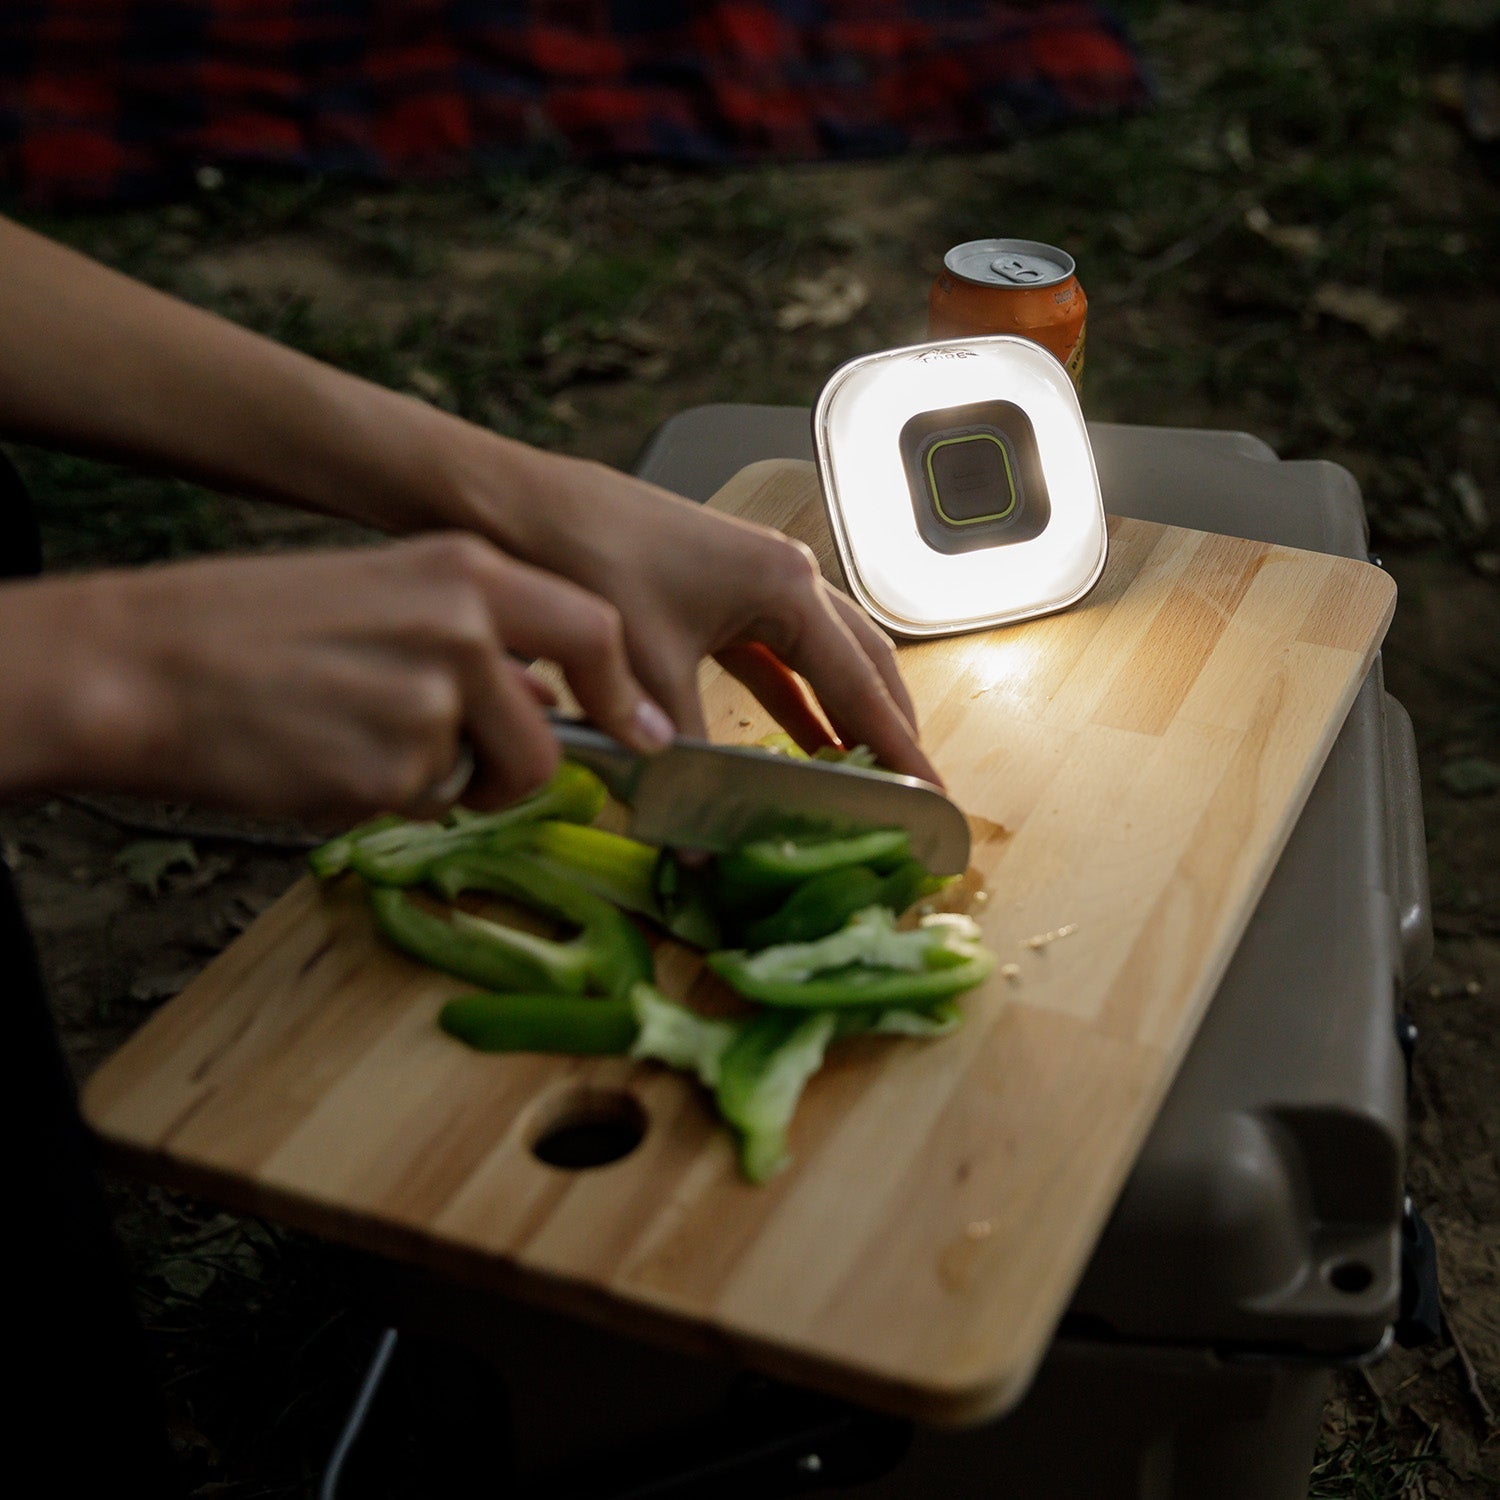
<point x="87" y="1415"/>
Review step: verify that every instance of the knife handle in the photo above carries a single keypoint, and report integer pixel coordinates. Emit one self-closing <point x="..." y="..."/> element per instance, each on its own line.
<point x="616" y="765"/>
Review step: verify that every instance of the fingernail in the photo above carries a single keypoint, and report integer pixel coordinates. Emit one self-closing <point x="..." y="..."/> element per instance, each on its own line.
<point x="653" y="729"/>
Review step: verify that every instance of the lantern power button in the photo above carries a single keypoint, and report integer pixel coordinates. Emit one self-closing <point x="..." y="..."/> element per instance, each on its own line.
<point x="974" y="475"/>
<point x="970" y="478"/>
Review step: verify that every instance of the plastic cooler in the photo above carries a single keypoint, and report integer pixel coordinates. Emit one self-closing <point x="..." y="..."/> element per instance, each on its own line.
<point x="1259" y="1241"/>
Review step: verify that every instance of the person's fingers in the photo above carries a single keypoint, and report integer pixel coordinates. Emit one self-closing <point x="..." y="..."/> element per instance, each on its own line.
<point x="425" y="731"/>
<point x="478" y="699"/>
<point x="856" y="699"/>
<point x="513" y="748"/>
<point x="779" y="691"/>
<point x="542" y="615"/>
<point x="877" y="646"/>
<point x="675" y="685"/>
<point x="585" y="636"/>
<point x="375" y="730"/>
<point x="804" y="629"/>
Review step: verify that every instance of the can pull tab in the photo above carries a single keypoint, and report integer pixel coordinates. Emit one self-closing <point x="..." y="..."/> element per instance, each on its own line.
<point x="1016" y="268"/>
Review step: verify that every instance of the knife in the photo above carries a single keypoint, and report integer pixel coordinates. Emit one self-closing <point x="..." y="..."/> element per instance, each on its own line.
<point x="697" y="795"/>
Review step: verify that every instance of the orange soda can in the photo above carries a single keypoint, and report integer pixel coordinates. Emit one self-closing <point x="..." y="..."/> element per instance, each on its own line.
<point x="1020" y="287"/>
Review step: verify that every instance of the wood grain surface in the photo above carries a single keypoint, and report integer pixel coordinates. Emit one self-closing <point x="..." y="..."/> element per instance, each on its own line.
<point x="1132" y="769"/>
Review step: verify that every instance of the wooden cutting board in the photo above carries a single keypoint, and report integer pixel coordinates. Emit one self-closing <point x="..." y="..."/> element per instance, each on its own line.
<point x="1132" y="769"/>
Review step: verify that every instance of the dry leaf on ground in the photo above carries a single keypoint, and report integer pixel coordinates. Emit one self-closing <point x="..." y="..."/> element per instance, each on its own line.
<point x="823" y="301"/>
<point x="1359" y="307"/>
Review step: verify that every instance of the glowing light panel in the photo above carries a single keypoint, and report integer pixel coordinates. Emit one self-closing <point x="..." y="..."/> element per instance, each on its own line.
<point x="908" y="585"/>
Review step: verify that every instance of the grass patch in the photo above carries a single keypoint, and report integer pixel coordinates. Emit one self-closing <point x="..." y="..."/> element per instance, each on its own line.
<point x="91" y="512"/>
<point x="1361" y="1458"/>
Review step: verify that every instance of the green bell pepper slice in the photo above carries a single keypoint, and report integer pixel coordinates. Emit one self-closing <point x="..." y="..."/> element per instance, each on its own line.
<point x="401" y="853"/>
<point x="633" y="875"/>
<point x="782" y="743"/>
<point x="815" y="908"/>
<point x="645" y="1024"/>
<point x="758" y="875"/>
<point x="540" y="1023"/>
<point x="910" y="881"/>
<point x="761" y="1077"/>
<point x="825" y="903"/>
<point x="933" y="1021"/>
<point x="867" y="963"/>
<point x="679" y="1037"/>
<point x="685" y="893"/>
<point x="765" y="1068"/>
<point x="612" y="866"/>
<point x="607" y="956"/>
<point x="332" y="858"/>
<point x="474" y="952"/>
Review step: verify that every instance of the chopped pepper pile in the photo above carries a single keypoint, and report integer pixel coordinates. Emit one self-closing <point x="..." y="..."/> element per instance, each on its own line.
<point x="803" y="928"/>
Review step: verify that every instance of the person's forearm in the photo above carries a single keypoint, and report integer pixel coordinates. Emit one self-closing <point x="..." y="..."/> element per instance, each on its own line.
<point x="67" y="717"/>
<point x="93" y="362"/>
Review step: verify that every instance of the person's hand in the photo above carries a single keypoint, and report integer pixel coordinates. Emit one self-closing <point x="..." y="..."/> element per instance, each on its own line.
<point x="320" y="685"/>
<point x="690" y="583"/>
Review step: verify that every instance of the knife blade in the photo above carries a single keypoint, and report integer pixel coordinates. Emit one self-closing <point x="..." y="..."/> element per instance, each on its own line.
<point x="698" y="795"/>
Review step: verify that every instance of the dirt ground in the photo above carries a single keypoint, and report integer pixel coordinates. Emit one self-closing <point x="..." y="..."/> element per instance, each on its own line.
<point x="1438" y="656"/>
<point x="1299" y="242"/>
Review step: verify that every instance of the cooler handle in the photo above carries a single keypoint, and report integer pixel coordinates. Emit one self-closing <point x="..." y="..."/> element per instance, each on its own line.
<point x="1408" y="841"/>
<point x="1421" y="1318"/>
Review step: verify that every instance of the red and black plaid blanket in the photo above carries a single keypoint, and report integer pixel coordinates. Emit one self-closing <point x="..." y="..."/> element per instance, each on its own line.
<point x="111" y="99"/>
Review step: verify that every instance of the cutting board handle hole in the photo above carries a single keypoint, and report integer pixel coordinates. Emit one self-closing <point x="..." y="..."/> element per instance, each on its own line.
<point x="590" y="1127"/>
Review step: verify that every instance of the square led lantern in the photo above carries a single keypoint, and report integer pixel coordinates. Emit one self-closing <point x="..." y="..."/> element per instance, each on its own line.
<point x="960" y="484"/>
